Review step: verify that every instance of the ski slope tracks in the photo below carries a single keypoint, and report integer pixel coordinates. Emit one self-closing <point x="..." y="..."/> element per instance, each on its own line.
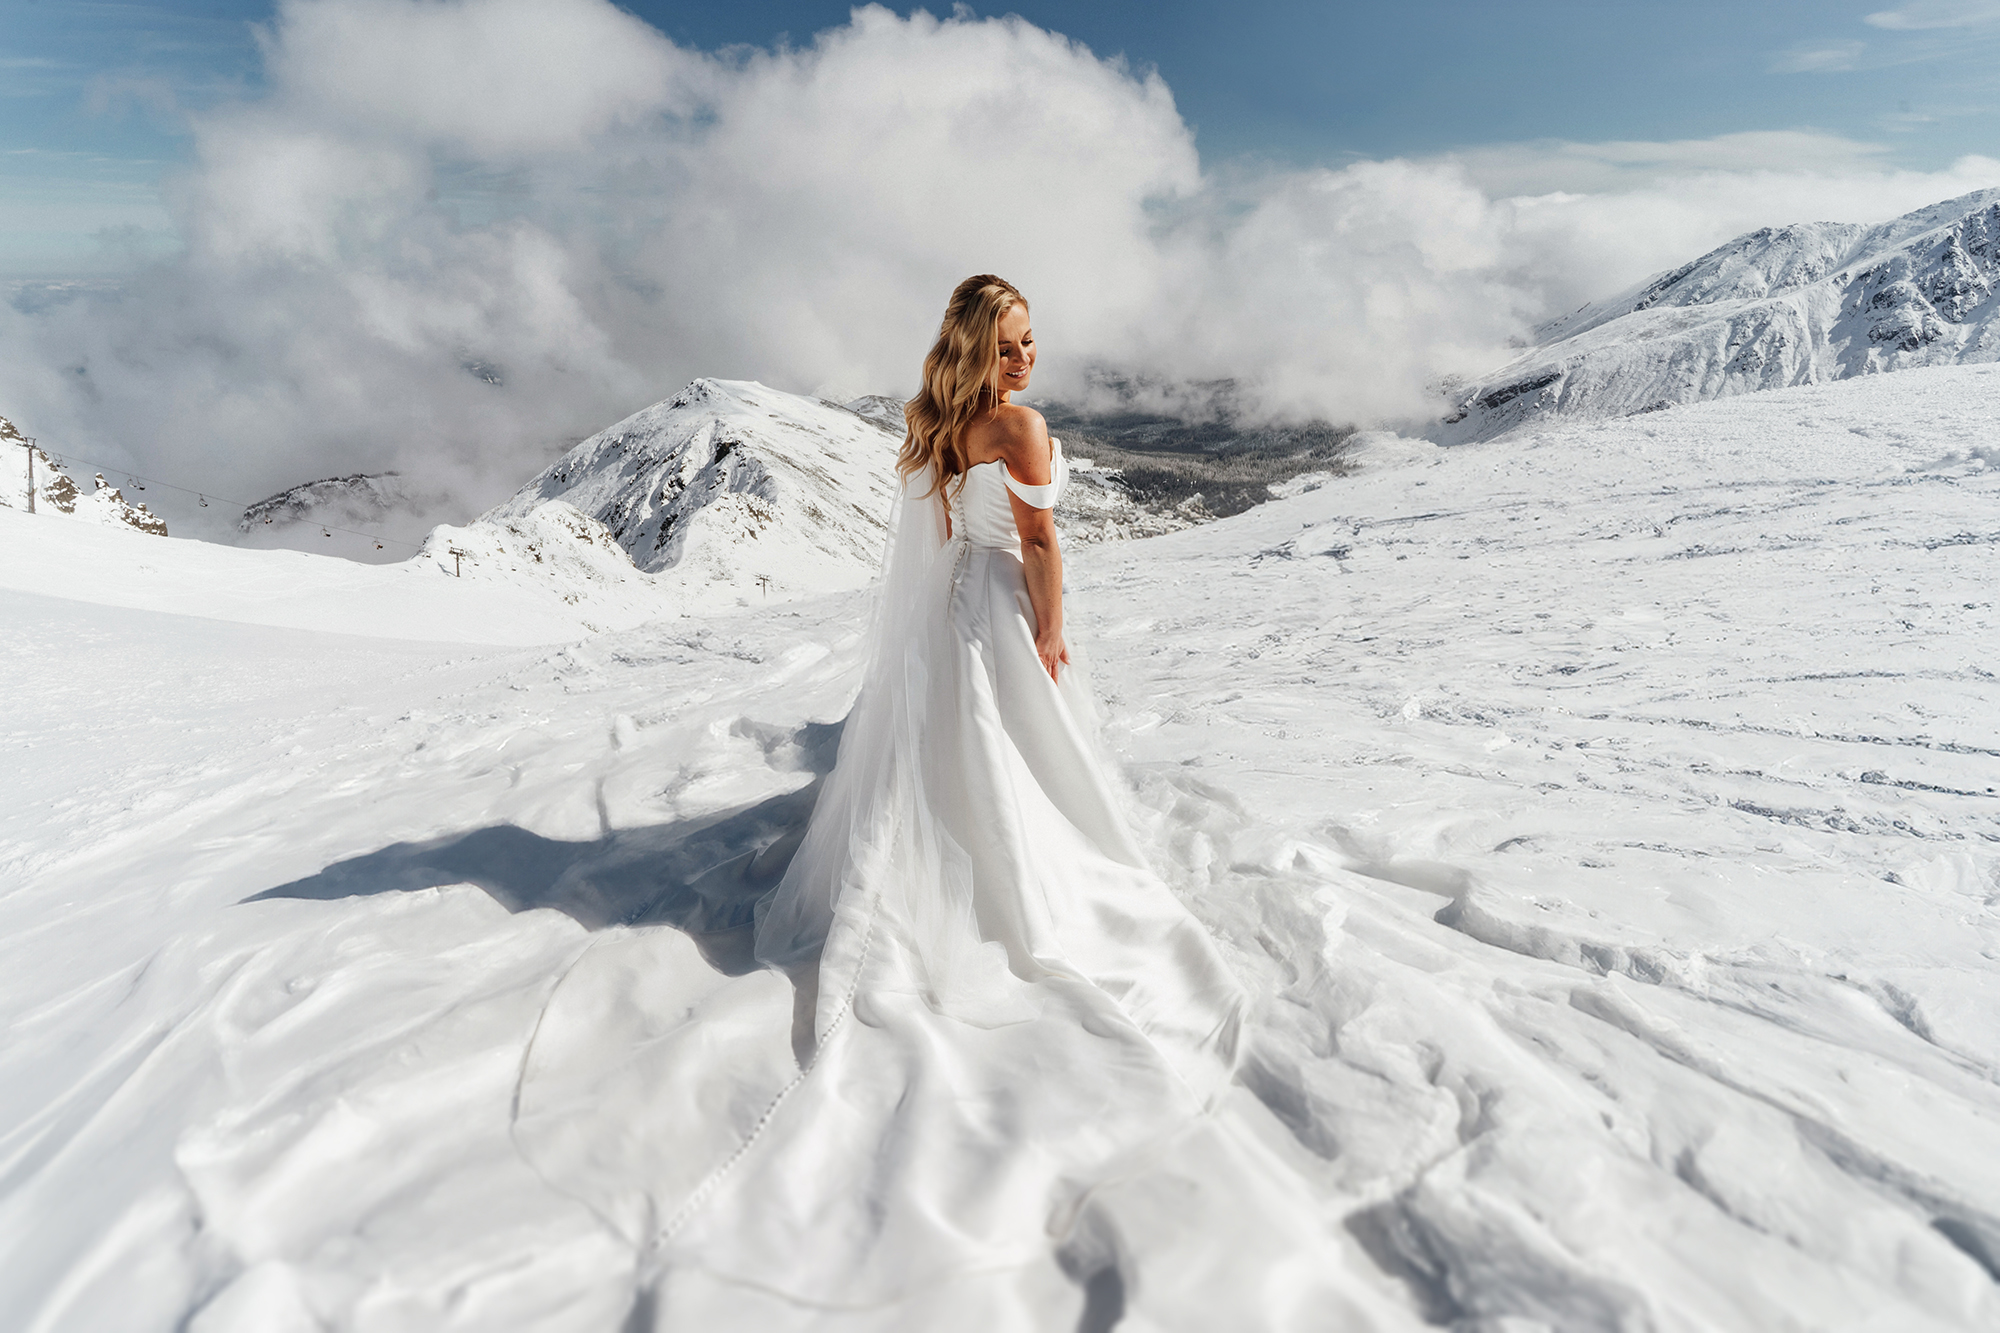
<point x="1802" y="304"/>
<point x="1604" y="817"/>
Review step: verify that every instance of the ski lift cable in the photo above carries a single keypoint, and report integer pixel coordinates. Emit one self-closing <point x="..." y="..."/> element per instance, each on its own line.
<point x="202" y="495"/>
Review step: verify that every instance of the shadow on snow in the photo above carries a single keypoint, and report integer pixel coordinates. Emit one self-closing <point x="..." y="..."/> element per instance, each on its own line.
<point x="702" y="876"/>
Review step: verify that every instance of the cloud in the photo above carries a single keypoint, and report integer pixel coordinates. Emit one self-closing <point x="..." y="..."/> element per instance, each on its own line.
<point x="1823" y="57"/>
<point x="484" y="77"/>
<point x="1619" y="165"/>
<point x="1937" y="14"/>
<point x="455" y="235"/>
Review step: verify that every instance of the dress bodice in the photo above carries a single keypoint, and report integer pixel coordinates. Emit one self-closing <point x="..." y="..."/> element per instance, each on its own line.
<point x="980" y="510"/>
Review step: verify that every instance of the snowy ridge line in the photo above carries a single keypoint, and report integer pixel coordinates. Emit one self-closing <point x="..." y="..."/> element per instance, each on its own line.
<point x="1801" y="304"/>
<point x="60" y="458"/>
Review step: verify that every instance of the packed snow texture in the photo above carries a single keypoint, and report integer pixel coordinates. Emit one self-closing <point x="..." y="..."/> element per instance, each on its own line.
<point x="1605" y="817"/>
<point x="1782" y="306"/>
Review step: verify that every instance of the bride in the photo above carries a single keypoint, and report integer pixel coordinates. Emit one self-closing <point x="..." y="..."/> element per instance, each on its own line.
<point x="1006" y="1006"/>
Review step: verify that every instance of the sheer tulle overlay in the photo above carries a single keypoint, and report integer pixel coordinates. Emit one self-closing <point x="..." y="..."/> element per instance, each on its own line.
<point x="1011" y="1009"/>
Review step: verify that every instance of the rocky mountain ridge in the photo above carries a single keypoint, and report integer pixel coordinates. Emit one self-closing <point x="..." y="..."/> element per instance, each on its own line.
<point x="736" y="491"/>
<point x="56" y="492"/>
<point x="359" y="498"/>
<point x="732" y="486"/>
<point x="1781" y="306"/>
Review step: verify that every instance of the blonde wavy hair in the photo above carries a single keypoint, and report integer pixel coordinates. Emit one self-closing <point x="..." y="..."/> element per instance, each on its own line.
<point x="958" y="372"/>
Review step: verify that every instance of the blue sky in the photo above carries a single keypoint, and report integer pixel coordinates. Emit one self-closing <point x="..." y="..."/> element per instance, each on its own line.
<point x="96" y="91"/>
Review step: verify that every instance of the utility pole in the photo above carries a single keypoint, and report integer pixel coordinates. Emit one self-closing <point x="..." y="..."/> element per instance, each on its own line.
<point x="456" y="556"/>
<point x="764" y="582"/>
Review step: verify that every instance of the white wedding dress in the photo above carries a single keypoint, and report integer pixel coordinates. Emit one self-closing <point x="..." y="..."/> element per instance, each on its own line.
<point x="1008" y="1008"/>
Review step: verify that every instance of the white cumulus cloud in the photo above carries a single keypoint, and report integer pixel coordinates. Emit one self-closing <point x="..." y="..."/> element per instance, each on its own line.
<point x="434" y="195"/>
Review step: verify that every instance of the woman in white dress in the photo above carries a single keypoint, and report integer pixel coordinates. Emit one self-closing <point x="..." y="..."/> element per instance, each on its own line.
<point x="1006" y="1005"/>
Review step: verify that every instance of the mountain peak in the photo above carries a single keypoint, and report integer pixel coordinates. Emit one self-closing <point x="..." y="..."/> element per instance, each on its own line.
<point x="760" y="491"/>
<point x="1798" y="304"/>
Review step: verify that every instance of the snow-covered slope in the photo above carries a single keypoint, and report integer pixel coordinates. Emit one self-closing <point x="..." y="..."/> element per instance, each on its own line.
<point x="1605" y="818"/>
<point x="735" y="488"/>
<point x="1791" y="305"/>
<point x="1097" y="507"/>
<point x="882" y="409"/>
<point x="549" y="578"/>
<point x="57" y="493"/>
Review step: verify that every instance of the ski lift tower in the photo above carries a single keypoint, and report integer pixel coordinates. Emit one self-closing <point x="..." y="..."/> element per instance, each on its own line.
<point x="8" y="432"/>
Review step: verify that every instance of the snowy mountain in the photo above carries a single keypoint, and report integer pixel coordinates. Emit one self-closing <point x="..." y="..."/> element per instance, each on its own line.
<point x="359" y="498"/>
<point x="732" y="491"/>
<point x="56" y="492"/>
<point x="1782" y="306"/>
<point x="734" y="487"/>
<point x="560" y="551"/>
<point x="882" y="409"/>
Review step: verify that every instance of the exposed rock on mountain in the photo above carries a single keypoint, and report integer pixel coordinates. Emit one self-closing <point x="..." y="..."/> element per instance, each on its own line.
<point x="56" y="492"/>
<point x="360" y="498"/>
<point x="734" y="487"/>
<point x="1099" y="506"/>
<point x="735" y="491"/>
<point x="1188" y="453"/>
<point x="1782" y="306"/>
<point x="883" y="410"/>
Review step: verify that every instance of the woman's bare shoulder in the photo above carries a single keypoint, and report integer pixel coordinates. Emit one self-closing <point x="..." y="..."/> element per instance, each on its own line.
<point x="1022" y="438"/>
<point x="1013" y="432"/>
<point x="1016" y="419"/>
<point x="1021" y="429"/>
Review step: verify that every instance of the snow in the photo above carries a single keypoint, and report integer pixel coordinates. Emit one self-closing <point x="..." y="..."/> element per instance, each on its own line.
<point x="573" y="589"/>
<point x="743" y="491"/>
<point x="56" y="492"/>
<point x="1605" y="816"/>
<point x="365" y="516"/>
<point x="1782" y="306"/>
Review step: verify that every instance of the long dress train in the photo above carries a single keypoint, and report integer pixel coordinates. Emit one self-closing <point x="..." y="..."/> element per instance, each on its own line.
<point x="1011" y="1008"/>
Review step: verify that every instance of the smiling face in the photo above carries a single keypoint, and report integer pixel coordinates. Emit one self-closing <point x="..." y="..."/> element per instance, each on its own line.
<point x="1017" y="352"/>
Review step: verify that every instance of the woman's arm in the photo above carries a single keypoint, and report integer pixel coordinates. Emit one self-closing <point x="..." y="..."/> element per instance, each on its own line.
<point x="1030" y="459"/>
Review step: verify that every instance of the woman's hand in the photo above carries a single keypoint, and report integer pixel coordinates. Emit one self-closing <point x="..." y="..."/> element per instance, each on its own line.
<point x="1052" y="650"/>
